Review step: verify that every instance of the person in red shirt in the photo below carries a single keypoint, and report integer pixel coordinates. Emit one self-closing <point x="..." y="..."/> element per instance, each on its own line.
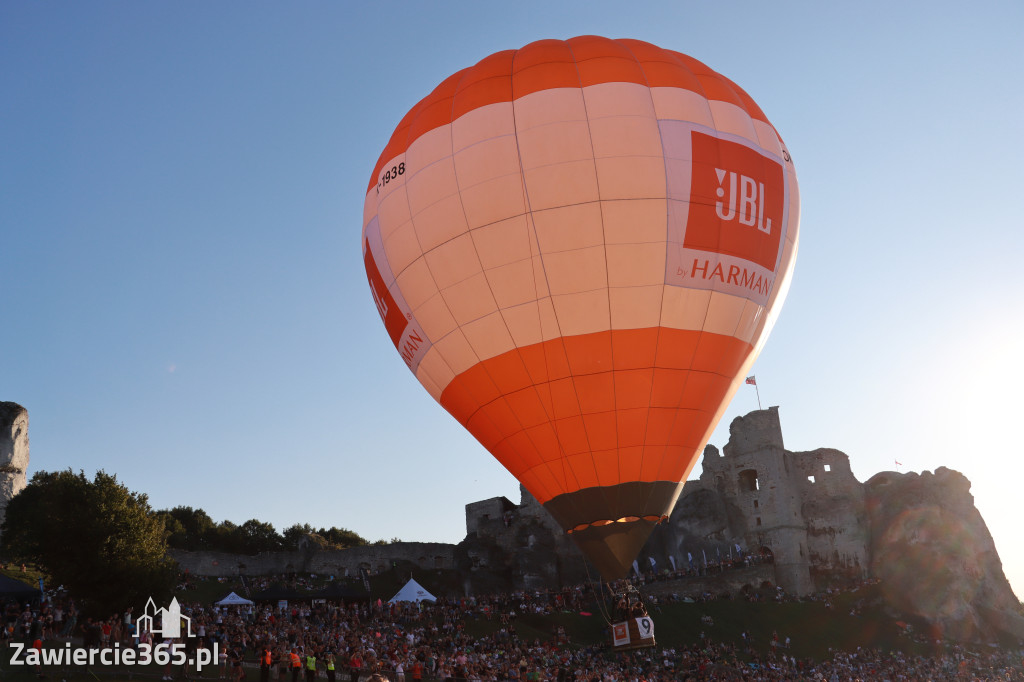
<point x="38" y="646"/>
<point x="355" y="665"/>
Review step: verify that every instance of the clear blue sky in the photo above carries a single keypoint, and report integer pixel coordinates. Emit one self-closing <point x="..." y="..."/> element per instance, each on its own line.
<point x="183" y="300"/>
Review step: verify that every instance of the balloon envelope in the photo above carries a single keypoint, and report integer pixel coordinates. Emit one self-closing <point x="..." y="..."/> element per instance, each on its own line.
<point x="578" y="248"/>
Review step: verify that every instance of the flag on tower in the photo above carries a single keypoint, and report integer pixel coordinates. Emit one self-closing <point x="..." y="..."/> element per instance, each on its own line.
<point x="752" y="380"/>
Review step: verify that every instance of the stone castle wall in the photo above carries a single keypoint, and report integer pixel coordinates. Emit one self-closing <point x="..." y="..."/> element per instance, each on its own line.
<point x="342" y="562"/>
<point x="731" y="582"/>
<point x="833" y="506"/>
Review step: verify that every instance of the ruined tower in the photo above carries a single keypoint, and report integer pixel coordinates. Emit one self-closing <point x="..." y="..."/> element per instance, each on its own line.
<point x="13" y="452"/>
<point x="756" y="476"/>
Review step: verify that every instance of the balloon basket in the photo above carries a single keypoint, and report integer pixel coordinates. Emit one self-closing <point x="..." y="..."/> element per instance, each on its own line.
<point x="635" y="633"/>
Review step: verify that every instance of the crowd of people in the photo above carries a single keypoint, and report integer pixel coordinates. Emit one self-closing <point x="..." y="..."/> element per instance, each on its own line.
<point x="423" y="641"/>
<point x="337" y="642"/>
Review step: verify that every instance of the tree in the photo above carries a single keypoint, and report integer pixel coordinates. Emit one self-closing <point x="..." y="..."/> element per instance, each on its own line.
<point x="190" y="529"/>
<point x="328" y="538"/>
<point x="258" y="536"/>
<point x="227" y="537"/>
<point x="96" y="538"/>
<point x="343" y="538"/>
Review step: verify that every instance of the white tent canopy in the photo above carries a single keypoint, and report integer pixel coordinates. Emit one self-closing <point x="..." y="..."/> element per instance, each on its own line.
<point x="412" y="591"/>
<point x="234" y="600"/>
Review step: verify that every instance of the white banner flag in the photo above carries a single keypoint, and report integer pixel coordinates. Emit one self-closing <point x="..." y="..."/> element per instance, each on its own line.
<point x="645" y="626"/>
<point x="620" y="634"/>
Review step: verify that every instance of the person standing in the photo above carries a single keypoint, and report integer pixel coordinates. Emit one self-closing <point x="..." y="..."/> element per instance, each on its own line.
<point x="311" y="666"/>
<point x="167" y="668"/>
<point x="355" y="666"/>
<point x="266" y="663"/>
<point x="38" y="646"/>
<point x="222" y="657"/>
<point x="282" y="665"/>
<point x="237" y="671"/>
<point x="330" y="666"/>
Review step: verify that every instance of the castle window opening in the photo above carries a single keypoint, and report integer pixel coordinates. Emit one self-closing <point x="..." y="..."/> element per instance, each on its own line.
<point x="828" y="467"/>
<point x="748" y="480"/>
<point x="755" y="504"/>
<point x="810" y="479"/>
<point x="758" y="520"/>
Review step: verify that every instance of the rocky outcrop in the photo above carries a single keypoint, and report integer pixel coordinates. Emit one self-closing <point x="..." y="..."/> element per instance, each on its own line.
<point x="13" y="452"/>
<point x="935" y="557"/>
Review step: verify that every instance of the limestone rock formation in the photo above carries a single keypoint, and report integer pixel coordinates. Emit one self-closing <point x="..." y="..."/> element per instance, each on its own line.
<point x="935" y="557"/>
<point x="13" y="452"/>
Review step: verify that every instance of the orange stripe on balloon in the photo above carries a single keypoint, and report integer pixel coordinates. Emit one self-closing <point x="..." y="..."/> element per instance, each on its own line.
<point x="490" y="81"/>
<point x="607" y="422"/>
<point x="574" y="63"/>
<point x="543" y="65"/>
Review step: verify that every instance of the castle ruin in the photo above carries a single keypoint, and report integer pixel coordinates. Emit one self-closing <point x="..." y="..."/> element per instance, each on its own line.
<point x="805" y="510"/>
<point x="13" y="452"/>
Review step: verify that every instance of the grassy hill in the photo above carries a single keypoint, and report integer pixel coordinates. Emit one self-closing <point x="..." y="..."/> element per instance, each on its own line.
<point x="812" y="627"/>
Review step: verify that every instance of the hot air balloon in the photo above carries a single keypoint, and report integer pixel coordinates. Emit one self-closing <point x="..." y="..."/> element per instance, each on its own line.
<point x="579" y="248"/>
